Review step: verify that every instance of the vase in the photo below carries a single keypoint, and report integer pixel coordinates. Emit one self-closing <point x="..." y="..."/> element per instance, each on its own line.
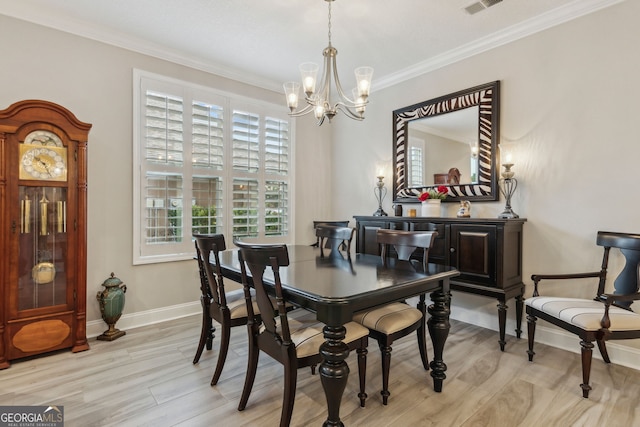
<point x="111" y="301"/>
<point x="431" y="208"/>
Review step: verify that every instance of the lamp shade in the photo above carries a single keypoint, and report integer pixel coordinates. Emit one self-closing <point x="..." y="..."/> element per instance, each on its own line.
<point x="291" y="92"/>
<point x="363" y="80"/>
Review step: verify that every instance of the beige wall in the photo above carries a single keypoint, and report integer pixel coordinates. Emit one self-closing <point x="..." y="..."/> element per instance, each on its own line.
<point x="94" y="81"/>
<point x="569" y="115"/>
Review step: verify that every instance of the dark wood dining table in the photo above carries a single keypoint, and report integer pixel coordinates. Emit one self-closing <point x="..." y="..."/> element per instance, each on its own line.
<point x="336" y="286"/>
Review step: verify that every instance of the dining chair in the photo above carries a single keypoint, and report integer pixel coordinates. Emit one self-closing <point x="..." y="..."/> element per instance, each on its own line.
<point x="335" y="238"/>
<point x="606" y="317"/>
<point x="214" y="300"/>
<point x="294" y="343"/>
<point x="396" y="320"/>
<point x="316" y="224"/>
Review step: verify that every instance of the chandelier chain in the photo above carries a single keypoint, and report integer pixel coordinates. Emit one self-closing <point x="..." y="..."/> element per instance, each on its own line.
<point x="329" y="25"/>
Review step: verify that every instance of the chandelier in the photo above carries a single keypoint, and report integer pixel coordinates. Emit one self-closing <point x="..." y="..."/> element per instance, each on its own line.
<point x="319" y="101"/>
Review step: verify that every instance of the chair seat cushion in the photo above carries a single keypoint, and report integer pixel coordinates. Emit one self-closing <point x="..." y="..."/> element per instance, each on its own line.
<point x="585" y="314"/>
<point x="306" y="334"/>
<point x="389" y="318"/>
<point x="238" y="308"/>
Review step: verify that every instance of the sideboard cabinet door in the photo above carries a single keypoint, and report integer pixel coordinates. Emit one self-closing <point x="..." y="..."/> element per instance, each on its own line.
<point x="473" y="253"/>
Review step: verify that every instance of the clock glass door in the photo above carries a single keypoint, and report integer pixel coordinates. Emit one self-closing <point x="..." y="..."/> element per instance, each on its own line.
<point x="42" y="247"/>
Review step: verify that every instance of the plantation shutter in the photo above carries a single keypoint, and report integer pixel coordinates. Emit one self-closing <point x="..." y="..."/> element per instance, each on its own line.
<point x="206" y="162"/>
<point x="245" y="207"/>
<point x="276" y="142"/>
<point x="276" y="211"/>
<point x="164" y="129"/>
<point x="163" y="156"/>
<point x="207" y="209"/>
<point x="246" y="141"/>
<point x="207" y="133"/>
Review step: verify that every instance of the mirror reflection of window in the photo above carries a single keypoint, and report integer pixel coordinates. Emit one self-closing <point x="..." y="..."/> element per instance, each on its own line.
<point x="474" y="161"/>
<point x="416" y="162"/>
<point x="444" y="142"/>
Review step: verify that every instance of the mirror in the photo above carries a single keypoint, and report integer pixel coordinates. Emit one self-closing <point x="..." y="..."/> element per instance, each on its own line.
<point x="451" y="140"/>
<point x="444" y="143"/>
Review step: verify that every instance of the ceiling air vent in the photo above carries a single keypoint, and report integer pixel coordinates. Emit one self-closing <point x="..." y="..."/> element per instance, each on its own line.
<point x="480" y="6"/>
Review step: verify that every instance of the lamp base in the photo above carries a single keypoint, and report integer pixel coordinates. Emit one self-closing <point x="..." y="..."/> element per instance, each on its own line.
<point x="508" y="213"/>
<point x="380" y="212"/>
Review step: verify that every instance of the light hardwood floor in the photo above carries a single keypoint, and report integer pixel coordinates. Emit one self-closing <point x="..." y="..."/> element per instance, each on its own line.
<point x="146" y="378"/>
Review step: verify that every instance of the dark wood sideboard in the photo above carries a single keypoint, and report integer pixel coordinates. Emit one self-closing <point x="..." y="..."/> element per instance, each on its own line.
<point x="486" y="251"/>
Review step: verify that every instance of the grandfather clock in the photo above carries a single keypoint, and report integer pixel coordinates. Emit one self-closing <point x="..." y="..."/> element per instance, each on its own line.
<point x="43" y="233"/>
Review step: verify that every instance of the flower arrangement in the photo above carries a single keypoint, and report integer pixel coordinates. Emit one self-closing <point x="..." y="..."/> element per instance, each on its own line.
<point x="439" y="192"/>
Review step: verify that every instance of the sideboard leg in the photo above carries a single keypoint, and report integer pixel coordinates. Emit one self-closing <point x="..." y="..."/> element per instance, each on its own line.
<point x="502" y="321"/>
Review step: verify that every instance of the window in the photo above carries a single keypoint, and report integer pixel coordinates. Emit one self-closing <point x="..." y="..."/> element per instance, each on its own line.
<point x="206" y="162"/>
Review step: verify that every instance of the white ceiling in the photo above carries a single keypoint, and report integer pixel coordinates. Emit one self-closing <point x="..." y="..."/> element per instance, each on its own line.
<point x="263" y="42"/>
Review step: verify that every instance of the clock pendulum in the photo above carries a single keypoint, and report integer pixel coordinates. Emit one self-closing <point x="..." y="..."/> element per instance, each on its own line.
<point x="44" y="203"/>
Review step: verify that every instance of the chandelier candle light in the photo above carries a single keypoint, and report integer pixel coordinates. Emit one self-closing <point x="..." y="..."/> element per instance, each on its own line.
<point x="319" y="102"/>
<point x="508" y="187"/>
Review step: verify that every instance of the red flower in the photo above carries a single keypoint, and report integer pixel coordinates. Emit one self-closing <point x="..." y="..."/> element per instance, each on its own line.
<point x="439" y="192"/>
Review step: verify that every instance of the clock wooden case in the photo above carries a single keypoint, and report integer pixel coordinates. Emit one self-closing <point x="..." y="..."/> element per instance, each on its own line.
<point x="43" y="233"/>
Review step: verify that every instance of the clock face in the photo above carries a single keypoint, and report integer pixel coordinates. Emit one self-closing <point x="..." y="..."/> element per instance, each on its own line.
<point x="43" y="137"/>
<point x="43" y="163"/>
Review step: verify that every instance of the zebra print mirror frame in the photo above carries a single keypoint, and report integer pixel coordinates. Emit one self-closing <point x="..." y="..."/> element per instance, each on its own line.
<point x="487" y="97"/>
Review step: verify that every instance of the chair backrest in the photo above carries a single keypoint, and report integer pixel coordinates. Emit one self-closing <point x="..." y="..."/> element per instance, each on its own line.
<point x="627" y="281"/>
<point x="335" y="238"/>
<point x="405" y="243"/>
<point x="257" y="258"/>
<point x="211" y="283"/>
<point x="316" y="224"/>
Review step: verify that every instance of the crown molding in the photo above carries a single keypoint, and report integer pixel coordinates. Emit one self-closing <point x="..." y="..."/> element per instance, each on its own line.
<point x="576" y="9"/>
<point x="134" y="44"/>
<point x="566" y="13"/>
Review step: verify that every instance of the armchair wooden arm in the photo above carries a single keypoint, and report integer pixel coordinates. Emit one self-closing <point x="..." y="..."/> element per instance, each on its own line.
<point x="613" y="298"/>
<point x="538" y="277"/>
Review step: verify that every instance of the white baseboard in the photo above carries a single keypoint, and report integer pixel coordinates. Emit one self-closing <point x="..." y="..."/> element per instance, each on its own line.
<point x="144" y="318"/>
<point x="619" y="354"/>
<point x="549" y="335"/>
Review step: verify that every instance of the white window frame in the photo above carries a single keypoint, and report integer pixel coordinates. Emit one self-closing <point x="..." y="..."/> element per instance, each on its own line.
<point x="144" y="253"/>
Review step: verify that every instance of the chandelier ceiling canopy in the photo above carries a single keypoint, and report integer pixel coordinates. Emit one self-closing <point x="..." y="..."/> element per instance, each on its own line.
<point x="319" y="101"/>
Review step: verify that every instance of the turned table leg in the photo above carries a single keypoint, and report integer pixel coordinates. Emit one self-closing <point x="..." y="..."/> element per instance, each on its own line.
<point x="439" y="326"/>
<point x="334" y="371"/>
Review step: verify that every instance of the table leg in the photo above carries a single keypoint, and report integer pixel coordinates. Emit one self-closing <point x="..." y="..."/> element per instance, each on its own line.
<point x="439" y="326"/>
<point x="334" y="371"/>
